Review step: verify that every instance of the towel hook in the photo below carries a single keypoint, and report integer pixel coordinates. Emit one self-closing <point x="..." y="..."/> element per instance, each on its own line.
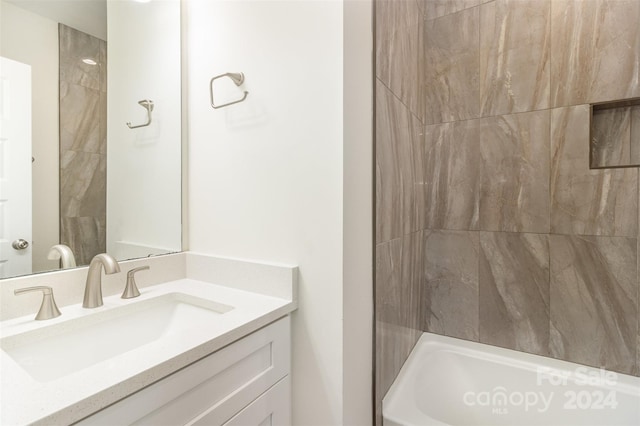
<point x="237" y="78"/>
<point x="148" y="105"/>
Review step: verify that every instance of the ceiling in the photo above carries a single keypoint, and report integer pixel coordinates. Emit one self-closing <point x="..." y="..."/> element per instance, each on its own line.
<point x="89" y="16"/>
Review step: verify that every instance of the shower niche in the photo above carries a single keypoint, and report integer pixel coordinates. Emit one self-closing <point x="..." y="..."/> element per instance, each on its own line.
<point x="614" y="140"/>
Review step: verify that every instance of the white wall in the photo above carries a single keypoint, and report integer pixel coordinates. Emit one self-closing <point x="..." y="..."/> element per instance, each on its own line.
<point x="33" y="40"/>
<point x="266" y="179"/>
<point x="144" y="164"/>
<point x="358" y="213"/>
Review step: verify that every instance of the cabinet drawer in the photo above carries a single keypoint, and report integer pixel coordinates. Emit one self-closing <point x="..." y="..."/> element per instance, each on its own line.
<point x="270" y="409"/>
<point x="219" y="385"/>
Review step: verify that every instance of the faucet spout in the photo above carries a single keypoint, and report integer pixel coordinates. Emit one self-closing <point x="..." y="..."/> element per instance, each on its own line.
<point x="93" y="286"/>
<point x="64" y="253"/>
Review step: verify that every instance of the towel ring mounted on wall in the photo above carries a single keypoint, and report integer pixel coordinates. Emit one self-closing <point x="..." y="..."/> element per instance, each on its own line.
<point x="148" y="105"/>
<point x="237" y="78"/>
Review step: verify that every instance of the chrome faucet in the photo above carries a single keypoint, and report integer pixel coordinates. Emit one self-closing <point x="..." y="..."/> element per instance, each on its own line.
<point x="93" y="287"/>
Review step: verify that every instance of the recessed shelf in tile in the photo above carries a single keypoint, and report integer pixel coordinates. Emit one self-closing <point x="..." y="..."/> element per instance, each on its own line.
<point x="615" y="134"/>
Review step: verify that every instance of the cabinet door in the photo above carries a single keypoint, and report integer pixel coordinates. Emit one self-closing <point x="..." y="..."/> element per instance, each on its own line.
<point x="219" y="385"/>
<point x="272" y="408"/>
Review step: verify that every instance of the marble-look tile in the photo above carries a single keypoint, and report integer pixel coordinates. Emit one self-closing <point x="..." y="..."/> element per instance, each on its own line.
<point x="399" y="280"/>
<point x="514" y="189"/>
<point x="393" y="15"/>
<point x="94" y="202"/>
<point x="595" y="51"/>
<point x="585" y="201"/>
<point x="635" y="135"/>
<point x="74" y="47"/>
<point x="450" y="295"/>
<point x="594" y="291"/>
<point x="393" y="346"/>
<point x="85" y="236"/>
<point x="514" y="291"/>
<point x="399" y="168"/>
<point x="79" y="118"/>
<point x="452" y="175"/>
<point x="102" y="63"/>
<point x="102" y="135"/>
<point x="397" y="65"/>
<point x="451" y="72"/>
<point x="611" y="137"/>
<point x="514" y="56"/>
<point x="437" y="8"/>
<point x="77" y="172"/>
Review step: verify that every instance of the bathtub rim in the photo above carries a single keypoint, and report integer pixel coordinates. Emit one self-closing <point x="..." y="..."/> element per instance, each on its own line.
<point x="431" y="342"/>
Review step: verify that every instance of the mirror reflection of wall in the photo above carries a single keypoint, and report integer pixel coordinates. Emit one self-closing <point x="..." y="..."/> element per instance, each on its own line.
<point x="97" y="184"/>
<point x="32" y="39"/>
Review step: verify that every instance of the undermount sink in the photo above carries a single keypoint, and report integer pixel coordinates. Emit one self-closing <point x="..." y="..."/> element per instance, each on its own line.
<point x="67" y="347"/>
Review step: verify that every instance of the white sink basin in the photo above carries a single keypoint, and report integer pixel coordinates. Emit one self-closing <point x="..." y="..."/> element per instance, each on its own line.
<point x="61" y="349"/>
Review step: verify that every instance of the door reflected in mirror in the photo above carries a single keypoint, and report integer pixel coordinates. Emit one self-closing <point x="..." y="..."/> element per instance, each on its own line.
<point x="83" y="182"/>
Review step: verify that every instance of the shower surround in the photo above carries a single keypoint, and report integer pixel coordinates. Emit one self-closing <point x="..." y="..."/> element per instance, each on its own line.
<point x="491" y="226"/>
<point x="83" y="143"/>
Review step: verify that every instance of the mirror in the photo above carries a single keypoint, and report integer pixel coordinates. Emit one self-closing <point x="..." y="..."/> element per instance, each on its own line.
<point x="90" y="136"/>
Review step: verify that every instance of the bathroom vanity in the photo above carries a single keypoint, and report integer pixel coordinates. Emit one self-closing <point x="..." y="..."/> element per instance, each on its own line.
<point x="210" y="346"/>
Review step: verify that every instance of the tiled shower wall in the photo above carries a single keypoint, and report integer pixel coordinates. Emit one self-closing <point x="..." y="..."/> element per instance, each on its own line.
<point x="490" y="225"/>
<point x="83" y="143"/>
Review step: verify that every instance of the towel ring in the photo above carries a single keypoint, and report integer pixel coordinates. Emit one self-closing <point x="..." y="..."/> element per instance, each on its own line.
<point x="148" y="105"/>
<point x="237" y="78"/>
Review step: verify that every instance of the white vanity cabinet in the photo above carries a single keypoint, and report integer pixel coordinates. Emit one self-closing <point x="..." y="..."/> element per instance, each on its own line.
<point x="244" y="383"/>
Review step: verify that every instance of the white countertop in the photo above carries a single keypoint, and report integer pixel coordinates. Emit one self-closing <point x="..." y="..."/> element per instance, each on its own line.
<point x="24" y="400"/>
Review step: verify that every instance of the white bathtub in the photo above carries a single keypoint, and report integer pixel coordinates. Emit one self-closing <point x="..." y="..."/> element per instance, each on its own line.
<point x="448" y="381"/>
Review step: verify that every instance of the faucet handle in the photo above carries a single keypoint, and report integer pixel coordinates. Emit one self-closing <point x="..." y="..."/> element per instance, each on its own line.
<point x="131" y="289"/>
<point x="48" y="308"/>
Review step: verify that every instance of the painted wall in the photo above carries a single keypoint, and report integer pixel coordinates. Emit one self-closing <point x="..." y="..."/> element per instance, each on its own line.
<point x="358" y="213"/>
<point x="144" y="164"/>
<point x="267" y="176"/>
<point x="33" y="40"/>
<point x="488" y="214"/>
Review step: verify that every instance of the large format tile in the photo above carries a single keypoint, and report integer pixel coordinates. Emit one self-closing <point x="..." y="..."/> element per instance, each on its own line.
<point x="515" y="173"/>
<point x="450" y="294"/>
<point x="594" y="293"/>
<point x="437" y="8"/>
<point x="452" y="175"/>
<point x="399" y="280"/>
<point x="94" y="202"/>
<point x="514" y="56"/>
<point x="74" y="47"/>
<point x="595" y="51"/>
<point x="78" y="170"/>
<point x="585" y="201"/>
<point x="397" y="65"/>
<point x="399" y="169"/>
<point x="393" y="346"/>
<point x="611" y="137"/>
<point x="635" y="135"/>
<point x="393" y="15"/>
<point x="80" y="118"/>
<point x="451" y="70"/>
<point x="85" y="236"/>
<point x="514" y="291"/>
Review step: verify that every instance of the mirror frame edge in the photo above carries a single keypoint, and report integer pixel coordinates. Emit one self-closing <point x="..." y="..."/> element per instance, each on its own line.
<point x="184" y="121"/>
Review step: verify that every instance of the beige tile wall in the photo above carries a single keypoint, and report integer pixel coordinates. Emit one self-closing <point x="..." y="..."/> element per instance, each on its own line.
<point x="83" y="144"/>
<point x="488" y="212"/>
